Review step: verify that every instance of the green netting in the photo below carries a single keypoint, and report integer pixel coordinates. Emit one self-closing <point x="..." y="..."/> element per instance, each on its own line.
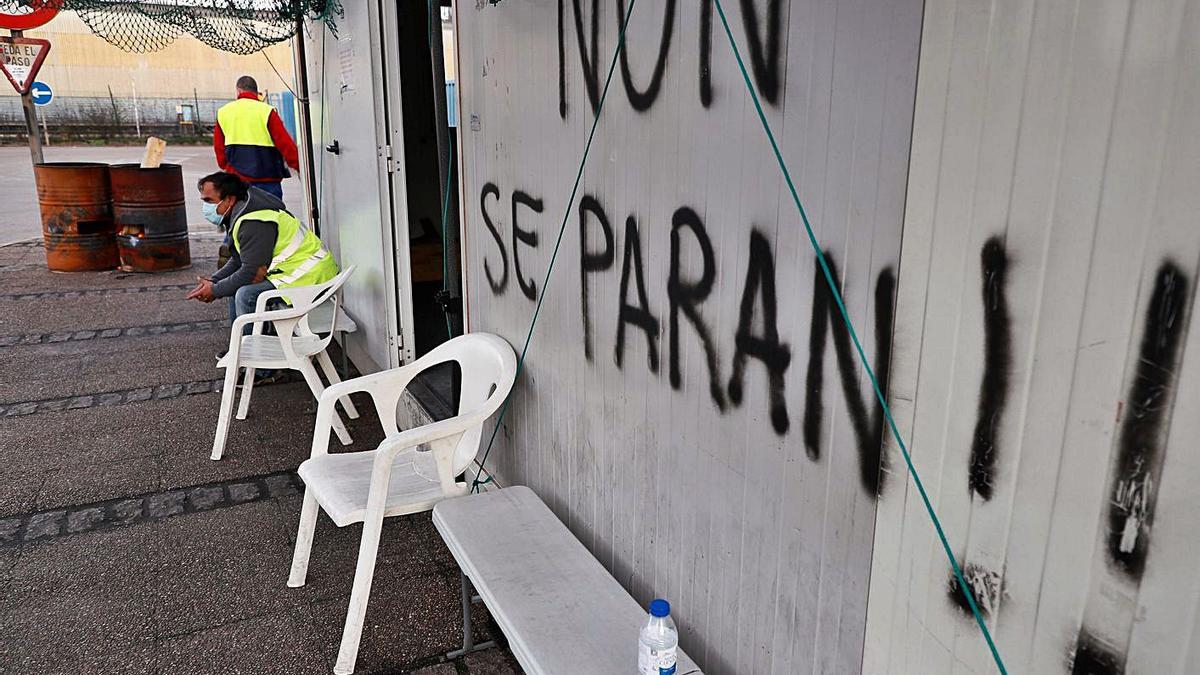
<point x="237" y="26"/>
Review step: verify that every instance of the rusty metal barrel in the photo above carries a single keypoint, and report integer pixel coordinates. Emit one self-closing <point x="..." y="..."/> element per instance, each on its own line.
<point x="151" y="217"/>
<point x="77" y="222"/>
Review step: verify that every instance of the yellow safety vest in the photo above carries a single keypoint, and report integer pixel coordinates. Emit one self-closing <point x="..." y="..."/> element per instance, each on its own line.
<point x="299" y="258"/>
<point x="249" y="148"/>
<point x="244" y="122"/>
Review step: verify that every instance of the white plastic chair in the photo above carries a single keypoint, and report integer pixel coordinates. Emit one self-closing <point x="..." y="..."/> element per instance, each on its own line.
<point x="409" y="472"/>
<point x="293" y="347"/>
<point x="321" y="320"/>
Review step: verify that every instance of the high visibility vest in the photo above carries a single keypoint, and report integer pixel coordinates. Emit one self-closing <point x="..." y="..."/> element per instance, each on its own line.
<point x="299" y="258"/>
<point x="249" y="149"/>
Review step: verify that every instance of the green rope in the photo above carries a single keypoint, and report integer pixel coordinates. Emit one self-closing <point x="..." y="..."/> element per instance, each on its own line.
<point x="430" y="10"/>
<point x="445" y="218"/>
<point x="837" y="296"/>
<point x="561" y="229"/>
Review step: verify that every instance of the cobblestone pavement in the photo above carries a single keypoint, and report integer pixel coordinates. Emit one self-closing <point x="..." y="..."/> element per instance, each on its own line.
<point x="124" y="549"/>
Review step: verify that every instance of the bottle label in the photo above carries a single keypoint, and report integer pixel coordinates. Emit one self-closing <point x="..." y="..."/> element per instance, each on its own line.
<point x="656" y="661"/>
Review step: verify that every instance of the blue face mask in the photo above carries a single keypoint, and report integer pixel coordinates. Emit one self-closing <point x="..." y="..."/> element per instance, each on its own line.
<point x="210" y="213"/>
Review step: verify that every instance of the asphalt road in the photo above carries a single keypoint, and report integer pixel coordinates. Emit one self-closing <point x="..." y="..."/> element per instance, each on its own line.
<point x="19" y="216"/>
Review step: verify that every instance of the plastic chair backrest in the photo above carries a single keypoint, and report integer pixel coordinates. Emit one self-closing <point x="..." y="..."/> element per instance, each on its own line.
<point x="489" y="368"/>
<point x="307" y="298"/>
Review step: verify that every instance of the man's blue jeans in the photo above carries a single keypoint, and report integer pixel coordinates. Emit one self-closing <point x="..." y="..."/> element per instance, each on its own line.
<point x="245" y="299"/>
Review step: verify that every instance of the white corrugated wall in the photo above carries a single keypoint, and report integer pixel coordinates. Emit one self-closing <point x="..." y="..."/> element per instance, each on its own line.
<point x="699" y="488"/>
<point x="1041" y="368"/>
<point x="1047" y="362"/>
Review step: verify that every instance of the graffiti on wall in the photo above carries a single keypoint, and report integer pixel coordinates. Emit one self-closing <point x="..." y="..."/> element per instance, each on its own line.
<point x="1138" y="456"/>
<point x="997" y="350"/>
<point x="1143" y="428"/>
<point x="758" y="357"/>
<point x="756" y="338"/>
<point x="764" y="42"/>
<point x="1140" y="450"/>
<point x="756" y="335"/>
<point x="868" y="430"/>
<point x="986" y="585"/>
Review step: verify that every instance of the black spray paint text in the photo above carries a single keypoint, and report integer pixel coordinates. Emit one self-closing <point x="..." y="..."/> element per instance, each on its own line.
<point x="756" y="336"/>
<point x="763" y="39"/>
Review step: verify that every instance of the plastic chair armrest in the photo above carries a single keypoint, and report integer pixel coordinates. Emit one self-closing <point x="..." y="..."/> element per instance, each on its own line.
<point x="262" y="317"/>
<point x="261" y="304"/>
<point x="442" y="438"/>
<point x="384" y="388"/>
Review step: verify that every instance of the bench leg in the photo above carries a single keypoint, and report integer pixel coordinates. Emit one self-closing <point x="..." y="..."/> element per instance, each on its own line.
<point x="468" y="636"/>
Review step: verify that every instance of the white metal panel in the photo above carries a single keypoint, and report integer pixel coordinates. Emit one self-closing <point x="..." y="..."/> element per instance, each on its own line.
<point x="1169" y="596"/>
<point x="1049" y="268"/>
<point x="699" y="491"/>
<point x="403" y="344"/>
<point x="345" y="79"/>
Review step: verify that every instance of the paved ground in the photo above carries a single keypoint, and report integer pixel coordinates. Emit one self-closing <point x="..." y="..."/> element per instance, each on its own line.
<point x="20" y="219"/>
<point x="124" y="549"/>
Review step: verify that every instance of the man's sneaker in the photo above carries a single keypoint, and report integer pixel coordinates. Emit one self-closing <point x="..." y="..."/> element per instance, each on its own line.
<point x="267" y="376"/>
<point x="262" y="377"/>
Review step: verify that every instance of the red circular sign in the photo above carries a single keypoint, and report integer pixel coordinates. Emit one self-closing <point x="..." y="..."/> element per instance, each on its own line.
<point x="38" y="13"/>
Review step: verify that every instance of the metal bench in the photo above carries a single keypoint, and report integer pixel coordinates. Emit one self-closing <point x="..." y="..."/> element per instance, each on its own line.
<point x="561" y="611"/>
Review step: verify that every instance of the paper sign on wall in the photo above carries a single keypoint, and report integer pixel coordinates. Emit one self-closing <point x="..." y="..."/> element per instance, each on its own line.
<point x="345" y="56"/>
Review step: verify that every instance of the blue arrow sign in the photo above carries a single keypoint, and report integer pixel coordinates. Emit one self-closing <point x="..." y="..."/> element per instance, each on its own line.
<point x="42" y="93"/>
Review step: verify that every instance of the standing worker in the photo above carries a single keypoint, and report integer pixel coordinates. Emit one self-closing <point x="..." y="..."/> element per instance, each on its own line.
<point x="251" y="142"/>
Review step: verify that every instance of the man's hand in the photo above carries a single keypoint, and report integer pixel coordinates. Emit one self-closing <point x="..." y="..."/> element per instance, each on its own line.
<point x="203" y="291"/>
<point x="260" y="275"/>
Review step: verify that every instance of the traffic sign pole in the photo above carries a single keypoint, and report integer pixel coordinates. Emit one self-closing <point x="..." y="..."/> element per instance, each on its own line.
<point x="31" y="124"/>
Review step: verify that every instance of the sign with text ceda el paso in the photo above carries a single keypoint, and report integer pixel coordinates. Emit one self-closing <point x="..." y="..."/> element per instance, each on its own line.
<point x="20" y="59"/>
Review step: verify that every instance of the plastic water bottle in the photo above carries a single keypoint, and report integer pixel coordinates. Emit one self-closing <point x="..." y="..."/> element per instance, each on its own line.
<point x="658" y="641"/>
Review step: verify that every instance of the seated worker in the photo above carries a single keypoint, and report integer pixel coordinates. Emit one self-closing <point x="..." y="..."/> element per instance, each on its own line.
<point x="271" y="248"/>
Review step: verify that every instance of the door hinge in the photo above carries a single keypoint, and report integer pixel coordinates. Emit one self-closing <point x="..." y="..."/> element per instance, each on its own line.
<point x="390" y="164"/>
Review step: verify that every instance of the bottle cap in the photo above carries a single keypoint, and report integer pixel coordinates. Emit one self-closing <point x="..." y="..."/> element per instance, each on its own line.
<point x="660" y="608"/>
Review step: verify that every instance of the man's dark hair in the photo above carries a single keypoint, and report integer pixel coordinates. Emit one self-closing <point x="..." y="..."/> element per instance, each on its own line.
<point x="247" y="83"/>
<point x="225" y="184"/>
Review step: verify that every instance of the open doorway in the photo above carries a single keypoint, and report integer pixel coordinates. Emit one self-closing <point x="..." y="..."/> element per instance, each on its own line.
<point x="427" y="74"/>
